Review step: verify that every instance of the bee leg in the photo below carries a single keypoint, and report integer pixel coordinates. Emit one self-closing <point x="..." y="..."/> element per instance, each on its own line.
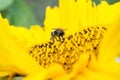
<point x="52" y="40"/>
<point x="89" y="59"/>
<point x="61" y="39"/>
<point x="58" y="39"/>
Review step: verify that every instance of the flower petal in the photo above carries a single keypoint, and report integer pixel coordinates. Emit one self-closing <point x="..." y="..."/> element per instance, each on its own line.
<point x="12" y="57"/>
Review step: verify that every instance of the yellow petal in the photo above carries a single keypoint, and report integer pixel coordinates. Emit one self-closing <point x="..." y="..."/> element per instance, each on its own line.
<point x="12" y="57"/>
<point x="38" y="34"/>
<point x="2" y="74"/>
<point x="107" y="13"/>
<point x="21" y="36"/>
<point x="53" y="72"/>
<point x="98" y="76"/>
<point x="110" y="68"/>
<point x="110" y="46"/>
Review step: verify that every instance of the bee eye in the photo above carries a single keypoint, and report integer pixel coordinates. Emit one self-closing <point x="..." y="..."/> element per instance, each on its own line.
<point x="55" y="32"/>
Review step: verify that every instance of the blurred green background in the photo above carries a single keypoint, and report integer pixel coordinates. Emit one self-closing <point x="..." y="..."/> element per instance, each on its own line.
<point x="29" y="12"/>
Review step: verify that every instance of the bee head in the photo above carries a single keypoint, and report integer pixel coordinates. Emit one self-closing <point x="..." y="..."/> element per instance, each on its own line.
<point x="61" y="33"/>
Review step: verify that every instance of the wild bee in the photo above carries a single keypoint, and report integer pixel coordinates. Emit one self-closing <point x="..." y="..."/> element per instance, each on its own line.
<point x="58" y="34"/>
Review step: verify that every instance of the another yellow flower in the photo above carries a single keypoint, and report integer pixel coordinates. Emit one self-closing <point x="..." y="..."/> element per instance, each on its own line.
<point x="85" y="52"/>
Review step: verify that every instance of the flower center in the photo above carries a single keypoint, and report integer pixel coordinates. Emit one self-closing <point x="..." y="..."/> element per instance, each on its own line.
<point x="67" y="51"/>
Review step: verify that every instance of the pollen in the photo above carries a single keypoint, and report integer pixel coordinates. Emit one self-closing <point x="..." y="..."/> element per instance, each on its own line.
<point x="67" y="52"/>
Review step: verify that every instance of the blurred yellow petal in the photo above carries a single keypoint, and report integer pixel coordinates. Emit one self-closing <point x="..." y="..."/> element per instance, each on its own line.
<point x="107" y="13"/>
<point x="13" y="58"/>
<point x="21" y="36"/>
<point x="68" y="13"/>
<point x="52" y="19"/>
<point x="106" y="68"/>
<point x="52" y="72"/>
<point x="38" y="34"/>
<point x="2" y="74"/>
<point x="109" y="48"/>
<point x="97" y="76"/>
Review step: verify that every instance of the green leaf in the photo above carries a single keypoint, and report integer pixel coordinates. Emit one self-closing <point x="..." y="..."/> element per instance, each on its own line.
<point x="5" y="3"/>
<point x="112" y="1"/>
<point x="39" y="7"/>
<point x="20" y="14"/>
<point x="96" y="1"/>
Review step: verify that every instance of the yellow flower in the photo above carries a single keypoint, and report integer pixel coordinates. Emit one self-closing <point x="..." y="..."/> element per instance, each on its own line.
<point x="75" y="43"/>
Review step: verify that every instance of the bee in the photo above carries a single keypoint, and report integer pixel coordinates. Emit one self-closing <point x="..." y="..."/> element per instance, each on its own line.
<point x="58" y="34"/>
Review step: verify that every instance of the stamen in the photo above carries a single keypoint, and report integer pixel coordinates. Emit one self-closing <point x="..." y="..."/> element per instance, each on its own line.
<point x="67" y="53"/>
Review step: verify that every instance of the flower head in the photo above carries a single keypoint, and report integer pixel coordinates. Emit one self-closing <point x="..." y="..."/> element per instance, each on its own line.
<point x="73" y="44"/>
